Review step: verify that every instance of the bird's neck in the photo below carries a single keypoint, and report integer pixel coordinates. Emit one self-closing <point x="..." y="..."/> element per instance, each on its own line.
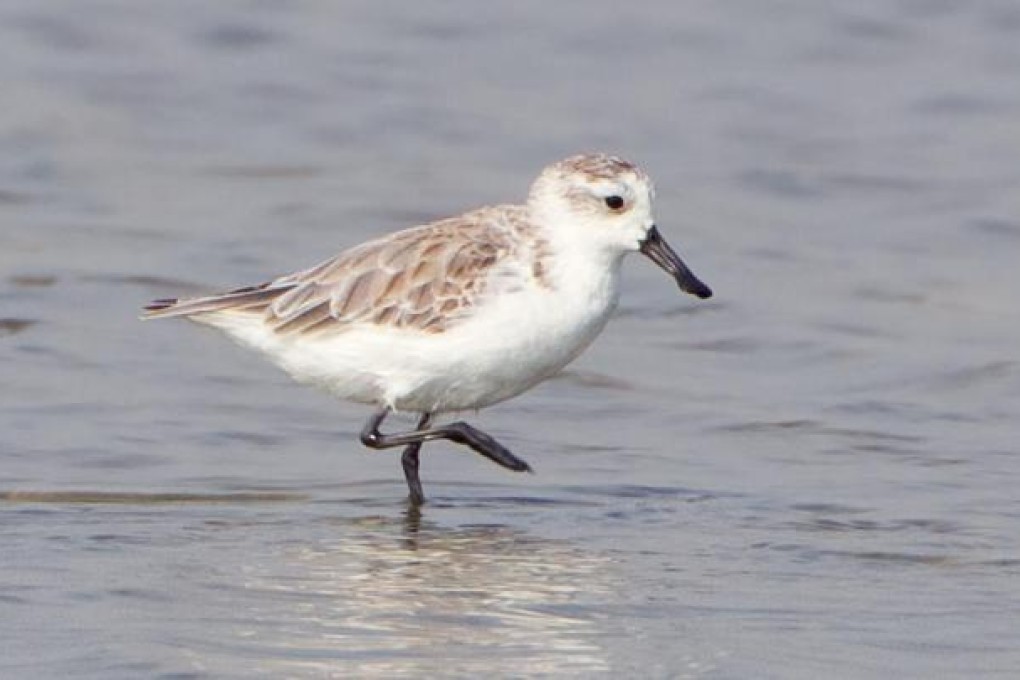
<point x="583" y="270"/>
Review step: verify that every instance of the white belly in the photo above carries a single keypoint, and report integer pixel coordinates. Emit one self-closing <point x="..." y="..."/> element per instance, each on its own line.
<point x="507" y="350"/>
<point x="512" y="343"/>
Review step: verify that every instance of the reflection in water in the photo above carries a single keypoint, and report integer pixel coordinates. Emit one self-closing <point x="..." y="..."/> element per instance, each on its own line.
<point x="385" y="598"/>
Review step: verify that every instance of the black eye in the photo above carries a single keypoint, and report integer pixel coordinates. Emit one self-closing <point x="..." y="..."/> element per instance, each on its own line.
<point x="614" y="202"/>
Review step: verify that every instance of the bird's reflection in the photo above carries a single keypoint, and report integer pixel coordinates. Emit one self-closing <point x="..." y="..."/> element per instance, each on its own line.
<point x="399" y="597"/>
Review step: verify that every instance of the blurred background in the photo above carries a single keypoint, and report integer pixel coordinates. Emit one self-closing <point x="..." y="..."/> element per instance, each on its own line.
<point x="813" y="474"/>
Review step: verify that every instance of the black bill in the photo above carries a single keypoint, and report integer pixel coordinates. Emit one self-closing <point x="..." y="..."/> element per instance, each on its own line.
<point x="659" y="252"/>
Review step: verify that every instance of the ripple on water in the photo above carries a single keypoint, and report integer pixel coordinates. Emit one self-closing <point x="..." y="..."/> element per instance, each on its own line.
<point x="891" y="558"/>
<point x="730" y="345"/>
<point x="14" y="326"/>
<point x="159" y="283"/>
<point x="593" y="379"/>
<point x="268" y="172"/>
<point x="236" y="36"/>
<point x="641" y="491"/>
<point x="139" y="498"/>
<point x="32" y="280"/>
<point x="996" y="227"/>
<point x="810" y="426"/>
<point x="781" y="183"/>
<point x="9" y="197"/>
<point x="828" y="524"/>
<point x="976" y="375"/>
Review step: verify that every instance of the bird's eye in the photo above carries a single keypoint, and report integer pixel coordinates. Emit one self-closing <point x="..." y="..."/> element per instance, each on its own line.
<point x="614" y="202"/>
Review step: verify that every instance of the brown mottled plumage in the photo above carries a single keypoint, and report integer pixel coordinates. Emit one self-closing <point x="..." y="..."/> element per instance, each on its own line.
<point x="598" y="166"/>
<point x="423" y="278"/>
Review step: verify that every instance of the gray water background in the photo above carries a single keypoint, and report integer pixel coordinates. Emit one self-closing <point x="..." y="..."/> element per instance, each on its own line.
<point x="814" y="474"/>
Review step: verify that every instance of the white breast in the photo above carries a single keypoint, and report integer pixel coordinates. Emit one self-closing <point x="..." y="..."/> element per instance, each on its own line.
<point x="515" y="341"/>
<point x="512" y="341"/>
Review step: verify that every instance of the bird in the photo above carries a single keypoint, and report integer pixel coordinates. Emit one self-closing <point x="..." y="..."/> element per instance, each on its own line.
<point x="458" y="314"/>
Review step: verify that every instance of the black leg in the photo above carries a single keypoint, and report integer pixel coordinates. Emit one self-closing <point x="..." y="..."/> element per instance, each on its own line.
<point x="459" y="432"/>
<point x="410" y="462"/>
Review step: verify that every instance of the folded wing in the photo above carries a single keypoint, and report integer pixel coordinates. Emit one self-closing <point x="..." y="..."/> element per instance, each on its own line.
<point x="424" y="278"/>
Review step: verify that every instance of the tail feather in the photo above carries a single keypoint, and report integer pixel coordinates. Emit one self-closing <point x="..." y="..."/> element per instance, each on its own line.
<point x="242" y="299"/>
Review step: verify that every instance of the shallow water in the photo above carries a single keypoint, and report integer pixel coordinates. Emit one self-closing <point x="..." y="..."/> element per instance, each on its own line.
<point x="813" y="474"/>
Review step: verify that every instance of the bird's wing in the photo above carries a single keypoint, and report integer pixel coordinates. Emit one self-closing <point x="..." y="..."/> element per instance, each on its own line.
<point x="424" y="278"/>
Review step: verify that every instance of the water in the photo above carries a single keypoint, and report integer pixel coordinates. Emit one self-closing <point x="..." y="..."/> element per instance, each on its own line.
<point x="812" y="475"/>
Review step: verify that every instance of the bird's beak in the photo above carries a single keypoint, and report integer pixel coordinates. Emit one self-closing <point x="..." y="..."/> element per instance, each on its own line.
<point x="659" y="252"/>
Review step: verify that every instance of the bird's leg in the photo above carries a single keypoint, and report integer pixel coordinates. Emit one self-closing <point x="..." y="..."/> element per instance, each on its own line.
<point x="410" y="462"/>
<point x="459" y="432"/>
<point x="482" y="443"/>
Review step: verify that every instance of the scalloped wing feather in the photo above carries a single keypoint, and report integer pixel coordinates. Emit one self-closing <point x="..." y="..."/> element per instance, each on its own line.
<point x="423" y="278"/>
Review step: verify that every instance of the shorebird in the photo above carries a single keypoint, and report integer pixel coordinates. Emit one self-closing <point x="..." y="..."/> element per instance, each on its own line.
<point x="458" y="314"/>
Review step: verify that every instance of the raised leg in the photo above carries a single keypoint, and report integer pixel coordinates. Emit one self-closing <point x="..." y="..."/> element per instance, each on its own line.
<point x="410" y="462"/>
<point x="459" y="432"/>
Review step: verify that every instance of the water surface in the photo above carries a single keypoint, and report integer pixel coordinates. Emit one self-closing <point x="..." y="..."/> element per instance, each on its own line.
<point x="812" y="475"/>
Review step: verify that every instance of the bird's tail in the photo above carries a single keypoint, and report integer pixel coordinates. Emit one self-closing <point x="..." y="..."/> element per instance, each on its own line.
<point x="251" y="298"/>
